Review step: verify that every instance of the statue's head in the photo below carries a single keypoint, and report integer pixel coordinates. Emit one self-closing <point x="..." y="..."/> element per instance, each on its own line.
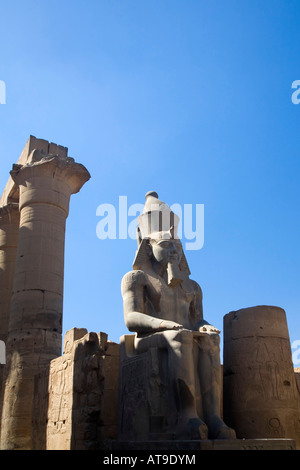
<point x="165" y="251"/>
<point x="157" y="239"/>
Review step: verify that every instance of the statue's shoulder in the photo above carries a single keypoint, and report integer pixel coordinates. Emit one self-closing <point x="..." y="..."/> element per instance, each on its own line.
<point x="194" y="286"/>
<point x="133" y="278"/>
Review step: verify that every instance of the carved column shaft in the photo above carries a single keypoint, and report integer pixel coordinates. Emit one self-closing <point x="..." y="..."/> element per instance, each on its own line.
<point x="34" y="339"/>
<point x="9" y="230"/>
<point x="261" y="399"/>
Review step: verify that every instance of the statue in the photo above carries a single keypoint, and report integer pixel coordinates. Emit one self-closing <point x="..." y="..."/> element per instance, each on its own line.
<point x="163" y="306"/>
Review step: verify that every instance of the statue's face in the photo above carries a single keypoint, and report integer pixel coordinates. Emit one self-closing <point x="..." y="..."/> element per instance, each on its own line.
<point x="166" y="251"/>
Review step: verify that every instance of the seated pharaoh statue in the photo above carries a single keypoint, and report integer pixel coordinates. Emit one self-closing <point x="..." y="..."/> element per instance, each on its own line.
<point x="163" y="307"/>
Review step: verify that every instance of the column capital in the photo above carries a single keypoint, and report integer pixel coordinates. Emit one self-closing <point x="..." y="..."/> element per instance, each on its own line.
<point x="47" y="178"/>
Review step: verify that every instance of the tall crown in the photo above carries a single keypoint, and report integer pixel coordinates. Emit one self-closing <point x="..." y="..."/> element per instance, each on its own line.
<point x="157" y="220"/>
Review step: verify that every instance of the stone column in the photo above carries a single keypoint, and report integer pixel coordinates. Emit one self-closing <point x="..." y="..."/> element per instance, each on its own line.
<point x="9" y="230"/>
<point x="45" y="185"/>
<point x="261" y="399"/>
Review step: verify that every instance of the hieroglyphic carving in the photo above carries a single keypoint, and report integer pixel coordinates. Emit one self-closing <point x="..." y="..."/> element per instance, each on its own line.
<point x="260" y="393"/>
<point x="83" y="392"/>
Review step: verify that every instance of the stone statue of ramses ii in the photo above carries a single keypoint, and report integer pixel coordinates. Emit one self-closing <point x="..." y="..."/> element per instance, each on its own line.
<point x="163" y="306"/>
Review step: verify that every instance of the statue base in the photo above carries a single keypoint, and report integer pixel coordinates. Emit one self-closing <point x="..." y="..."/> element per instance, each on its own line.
<point x="218" y="444"/>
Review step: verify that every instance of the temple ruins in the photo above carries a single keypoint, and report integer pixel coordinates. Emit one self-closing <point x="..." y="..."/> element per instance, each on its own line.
<point x="163" y="386"/>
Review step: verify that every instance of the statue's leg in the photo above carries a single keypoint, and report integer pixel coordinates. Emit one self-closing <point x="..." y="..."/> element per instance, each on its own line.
<point x="209" y="368"/>
<point x="181" y="373"/>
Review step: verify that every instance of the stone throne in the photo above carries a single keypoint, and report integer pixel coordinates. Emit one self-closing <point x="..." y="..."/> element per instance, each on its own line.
<point x="170" y="382"/>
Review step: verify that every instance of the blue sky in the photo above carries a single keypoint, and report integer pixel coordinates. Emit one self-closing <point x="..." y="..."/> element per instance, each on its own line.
<point x="191" y="99"/>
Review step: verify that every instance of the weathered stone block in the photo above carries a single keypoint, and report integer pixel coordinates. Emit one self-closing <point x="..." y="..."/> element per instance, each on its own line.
<point x="83" y="393"/>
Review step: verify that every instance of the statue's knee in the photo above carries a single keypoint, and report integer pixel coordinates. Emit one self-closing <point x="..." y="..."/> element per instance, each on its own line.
<point x="180" y="337"/>
<point x="215" y="340"/>
<point x="210" y="342"/>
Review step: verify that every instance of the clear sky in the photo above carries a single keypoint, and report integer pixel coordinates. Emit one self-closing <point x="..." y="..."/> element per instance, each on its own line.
<point x="189" y="98"/>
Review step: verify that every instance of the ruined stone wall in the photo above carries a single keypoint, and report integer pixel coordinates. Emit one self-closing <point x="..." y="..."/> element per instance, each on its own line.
<point x="82" y="395"/>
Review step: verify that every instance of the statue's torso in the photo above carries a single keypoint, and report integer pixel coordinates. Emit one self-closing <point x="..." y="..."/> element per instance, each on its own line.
<point x="168" y="303"/>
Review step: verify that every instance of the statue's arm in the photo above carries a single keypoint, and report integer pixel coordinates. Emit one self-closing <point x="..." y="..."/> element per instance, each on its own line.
<point x="132" y="288"/>
<point x="197" y="312"/>
<point x="196" y="308"/>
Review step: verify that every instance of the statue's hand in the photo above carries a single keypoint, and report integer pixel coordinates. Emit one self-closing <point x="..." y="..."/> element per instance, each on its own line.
<point x="169" y="325"/>
<point x="209" y="329"/>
